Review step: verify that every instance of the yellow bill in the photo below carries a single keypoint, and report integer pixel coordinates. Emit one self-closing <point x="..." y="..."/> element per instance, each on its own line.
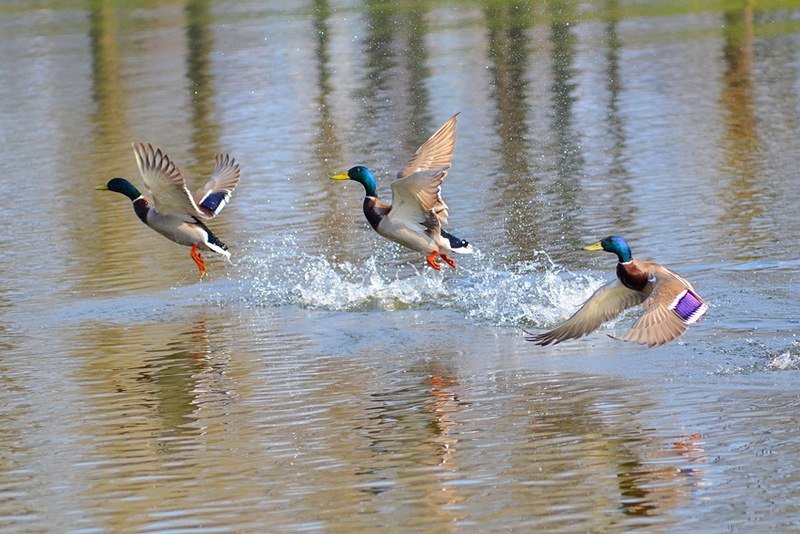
<point x="596" y="246"/>
<point x="101" y="188"/>
<point x="340" y="176"/>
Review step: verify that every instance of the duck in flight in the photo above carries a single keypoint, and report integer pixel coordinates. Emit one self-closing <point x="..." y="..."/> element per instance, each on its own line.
<point x="172" y="210"/>
<point x="669" y="302"/>
<point x="415" y="217"/>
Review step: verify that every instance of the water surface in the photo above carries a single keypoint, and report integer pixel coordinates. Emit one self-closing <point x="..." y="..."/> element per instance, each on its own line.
<point x="327" y="379"/>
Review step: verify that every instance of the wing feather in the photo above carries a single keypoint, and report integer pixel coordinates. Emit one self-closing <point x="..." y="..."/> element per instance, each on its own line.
<point x="216" y="193"/>
<point x="415" y="196"/>
<point x="606" y="303"/>
<point x="164" y="181"/>
<point x="435" y="153"/>
<point x="662" y="322"/>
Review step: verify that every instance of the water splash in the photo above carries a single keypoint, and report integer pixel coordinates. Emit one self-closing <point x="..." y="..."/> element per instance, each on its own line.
<point x="754" y="356"/>
<point x="789" y="359"/>
<point x="534" y="293"/>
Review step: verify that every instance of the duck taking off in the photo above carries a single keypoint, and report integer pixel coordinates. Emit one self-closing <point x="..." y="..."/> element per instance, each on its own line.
<point x="173" y="211"/>
<point x="417" y="213"/>
<point x="669" y="301"/>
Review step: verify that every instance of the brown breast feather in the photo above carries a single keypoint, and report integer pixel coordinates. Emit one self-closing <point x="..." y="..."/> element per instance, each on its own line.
<point x="375" y="211"/>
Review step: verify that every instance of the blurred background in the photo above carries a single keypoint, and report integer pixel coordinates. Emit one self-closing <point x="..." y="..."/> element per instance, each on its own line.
<point x="327" y="379"/>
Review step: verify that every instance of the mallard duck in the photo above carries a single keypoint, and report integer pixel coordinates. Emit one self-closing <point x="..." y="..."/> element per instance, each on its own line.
<point x="415" y="217"/>
<point x="669" y="301"/>
<point x="173" y="211"/>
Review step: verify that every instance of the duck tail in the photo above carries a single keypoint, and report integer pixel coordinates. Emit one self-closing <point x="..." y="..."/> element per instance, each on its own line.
<point x="214" y="243"/>
<point x="457" y="244"/>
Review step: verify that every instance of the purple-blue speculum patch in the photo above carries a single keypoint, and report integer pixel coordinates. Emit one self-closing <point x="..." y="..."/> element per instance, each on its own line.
<point x="687" y="305"/>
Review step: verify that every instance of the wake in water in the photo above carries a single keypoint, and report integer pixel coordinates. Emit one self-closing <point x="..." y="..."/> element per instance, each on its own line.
<point x="533" y="293"/>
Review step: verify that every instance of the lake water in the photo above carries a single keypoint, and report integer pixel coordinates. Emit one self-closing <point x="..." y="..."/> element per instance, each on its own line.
<point x="327" y="379"/>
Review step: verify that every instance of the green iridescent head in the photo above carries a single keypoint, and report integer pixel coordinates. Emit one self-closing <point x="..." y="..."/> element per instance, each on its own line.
<point x="121" y="185"/>
<point x="359" y="174"/>
<point x="615" y="244"/>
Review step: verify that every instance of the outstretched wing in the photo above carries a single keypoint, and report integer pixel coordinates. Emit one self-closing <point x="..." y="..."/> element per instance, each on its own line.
<point x="669" y="310"/>
<point x="164" y="181"/>
<point x="435" y="153"/>
<point x="212" y="197"/>
<point x="606" y="303"/>
<point x="415" y="197"/>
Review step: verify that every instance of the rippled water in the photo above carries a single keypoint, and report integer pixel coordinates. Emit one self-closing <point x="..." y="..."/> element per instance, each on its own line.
<point x="327" y="379"/>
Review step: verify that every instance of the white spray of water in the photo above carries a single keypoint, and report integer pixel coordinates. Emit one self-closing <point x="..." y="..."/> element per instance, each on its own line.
<point x="789" y="359"/>
<point x="537" y="292"/>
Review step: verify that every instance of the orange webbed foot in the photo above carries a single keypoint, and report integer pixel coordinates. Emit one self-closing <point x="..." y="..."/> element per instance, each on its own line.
<point x="432" y="261"/>
<point x="198" y="259"/>
<point x="688" y="443"/>
<point x="447" y="260"/>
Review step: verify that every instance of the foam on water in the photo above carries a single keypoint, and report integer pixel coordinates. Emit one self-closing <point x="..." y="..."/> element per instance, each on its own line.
<point x="754" y="356"/>
<point x="537" y="292"/>
<point x="788" y="359"/>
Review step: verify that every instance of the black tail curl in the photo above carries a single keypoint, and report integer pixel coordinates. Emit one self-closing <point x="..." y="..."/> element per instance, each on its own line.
<point x="455" y="242"/>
